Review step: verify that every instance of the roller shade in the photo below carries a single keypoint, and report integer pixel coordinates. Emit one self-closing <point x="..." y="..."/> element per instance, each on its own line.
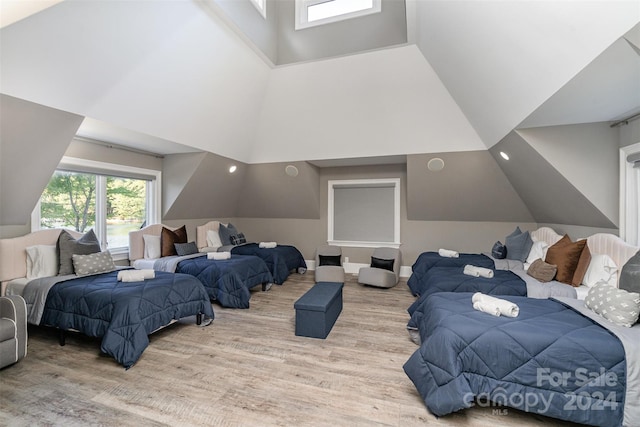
<point x="634" y="159"/>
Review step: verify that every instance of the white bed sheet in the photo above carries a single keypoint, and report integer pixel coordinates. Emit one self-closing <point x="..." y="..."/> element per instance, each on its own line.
<point x="16" y="286"/>
<point x="144" y="263"/>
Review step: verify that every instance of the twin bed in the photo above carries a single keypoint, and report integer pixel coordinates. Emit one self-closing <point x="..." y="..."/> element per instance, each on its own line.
<point x="281" y="259"/>
<point x="228" y="281"/>
<point x="557" y="357"/>
<point x="123" y="314"/>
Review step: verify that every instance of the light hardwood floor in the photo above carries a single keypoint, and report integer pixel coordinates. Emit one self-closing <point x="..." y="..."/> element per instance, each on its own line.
<point x="247" y="368"/>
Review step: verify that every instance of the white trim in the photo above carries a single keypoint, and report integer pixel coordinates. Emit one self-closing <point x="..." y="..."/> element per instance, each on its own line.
<point x="629" y="191"/>
<point x="262" y="9"/>
<point x="302" y="13"/>
<point x="364" y="183"/>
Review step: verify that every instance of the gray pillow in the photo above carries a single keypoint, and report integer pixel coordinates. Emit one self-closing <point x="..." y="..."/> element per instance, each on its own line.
<point x="183" y="249"/>
<point x="100" y="262"/>
<point x="617" y="305"/>
<point x="67" y="246"/>
<point x="518" y="246"/>
<point x="630" y="274"/>
<point x="226" y="232"/>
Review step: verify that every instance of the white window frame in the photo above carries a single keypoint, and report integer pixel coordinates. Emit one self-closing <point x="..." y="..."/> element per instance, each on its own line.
<point x="302" y="10"/>
<point x="262" y="8"/>
<point x="395" y="182"/>
<point x="629" y="195"/>
<point x="154" y="196"/>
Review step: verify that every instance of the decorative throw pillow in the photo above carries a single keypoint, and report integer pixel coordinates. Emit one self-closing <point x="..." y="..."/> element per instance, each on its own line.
<point x="499" y="251"/>
<point x="385" y="264"/>
<point x="169" y="238"/>
<point x="183" y="249"/>
<point x="542" y="271"/>
<point x="602" y="270"/>
<point x="213" y="239"/>
<point x="225" y="232"/>
<point x="152" y="247"/>
<point x="330" y="260"/>
<point x="42" y="261"/>
<point x="581" y="268"/>
<point x="630" y="274"/>
<point x="566" y="255"/>
<point x="617" y="305"/>
<point x="67" y="246"/>
<point x="518" y="246"/>
<point x="238" y="239"/>
<point x="99" y="262"/>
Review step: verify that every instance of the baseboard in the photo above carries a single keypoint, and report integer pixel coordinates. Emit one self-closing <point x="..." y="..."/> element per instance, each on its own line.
<point x="354" y="267"/>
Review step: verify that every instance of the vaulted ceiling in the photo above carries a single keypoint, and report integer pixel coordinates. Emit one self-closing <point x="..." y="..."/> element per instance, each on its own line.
<point x="188" y="75"/>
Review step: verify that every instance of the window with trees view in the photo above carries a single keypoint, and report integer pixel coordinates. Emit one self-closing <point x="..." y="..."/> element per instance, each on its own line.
<point x="111" y="205"/>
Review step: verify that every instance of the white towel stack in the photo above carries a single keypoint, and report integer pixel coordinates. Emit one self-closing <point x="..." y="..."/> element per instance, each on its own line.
<point x="219" y="255"/>
<point x="135" y="275"/>
<point x="448" y="253"/>
<point x="494" y="306"/>
<point x="267" y="245"/>
<point x="472" y="270"/>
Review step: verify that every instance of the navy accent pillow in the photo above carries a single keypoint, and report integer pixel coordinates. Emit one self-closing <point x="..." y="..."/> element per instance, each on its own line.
<point x="183" y="249"/>
<point x="330" y="260"/>
<point x="237" y="239"/>
<point x="385" y="264"/>
<point x="225" y="233"/>
<point x="499" y="251"/>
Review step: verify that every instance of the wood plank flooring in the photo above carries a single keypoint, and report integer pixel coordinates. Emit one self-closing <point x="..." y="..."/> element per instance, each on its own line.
<point x="246" y="368"/>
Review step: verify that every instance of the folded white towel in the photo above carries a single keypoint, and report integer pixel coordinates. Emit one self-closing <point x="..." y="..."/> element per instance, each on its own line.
<point x="486" y="308"/>
<point x="448" y="253"/>
<point x="472" y="270"/>
<point x="489" y="304"/>
<point x="219" y="255"/>
<point x="134" y="275"/>
<point x="267" y="245"/>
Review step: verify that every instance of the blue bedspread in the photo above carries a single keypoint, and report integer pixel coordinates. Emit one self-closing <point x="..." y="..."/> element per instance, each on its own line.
<point x="280" y="260"/>
<point x="428" y="260"/>
<point x="228" y="281"/>
<point x="452" y="279"/>
<point x="124" y="313"/>
<point x="549" y="360"/>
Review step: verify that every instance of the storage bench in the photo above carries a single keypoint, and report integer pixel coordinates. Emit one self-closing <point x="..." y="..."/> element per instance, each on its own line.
<point x="318" y="309"/>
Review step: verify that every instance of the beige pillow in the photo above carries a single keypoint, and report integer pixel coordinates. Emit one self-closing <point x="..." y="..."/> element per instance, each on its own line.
<point x="542" y="271"/>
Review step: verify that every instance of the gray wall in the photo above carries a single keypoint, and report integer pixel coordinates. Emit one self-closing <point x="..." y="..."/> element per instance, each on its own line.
<point x="33" y="139"/>
<point x="629" y="134"/>
<point x="378" y="30"/>
<point x="471" y="187"/>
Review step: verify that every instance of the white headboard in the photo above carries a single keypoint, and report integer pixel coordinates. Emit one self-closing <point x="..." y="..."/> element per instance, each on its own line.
<point x="13" y="252"/>
<point x="136" y="241"/>
<point x="545" y="234"/>
<point x="612" y="245"/>
<point x="201" y="232"/>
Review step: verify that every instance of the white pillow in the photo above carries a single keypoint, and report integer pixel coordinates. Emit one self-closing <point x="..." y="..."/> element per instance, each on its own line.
<point x="42" y="261"/>
<point x="151" y="246"/>
<point x="213" y="239"/>
<point x="602" y="269"/>
<point x="538" y="251"/>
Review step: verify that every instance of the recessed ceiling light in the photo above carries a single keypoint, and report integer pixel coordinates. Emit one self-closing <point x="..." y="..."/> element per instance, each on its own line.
<point x="436" y="164"/>
<point x="291" y="170"/>
<point x="504" y="155"/>
<point x="232" y="168"/>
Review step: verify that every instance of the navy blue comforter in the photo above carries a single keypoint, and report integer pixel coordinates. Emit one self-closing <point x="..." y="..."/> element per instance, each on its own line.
<point x="549" y="360"/>
<point x="228" y="281"/>
<point x="280" y="260"/>
<point x="427" y="260"/>
<point x="124" y="313"/>
<point x="452" y="279"/>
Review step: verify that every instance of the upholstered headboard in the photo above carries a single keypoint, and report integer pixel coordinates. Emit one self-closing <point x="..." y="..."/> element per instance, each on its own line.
<point x="136" y="241"/>
<point x="612" y="245"/>
<point x="13" y="252"/>
<point x="546" y="234"/>
<point x="201" y="232"/>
